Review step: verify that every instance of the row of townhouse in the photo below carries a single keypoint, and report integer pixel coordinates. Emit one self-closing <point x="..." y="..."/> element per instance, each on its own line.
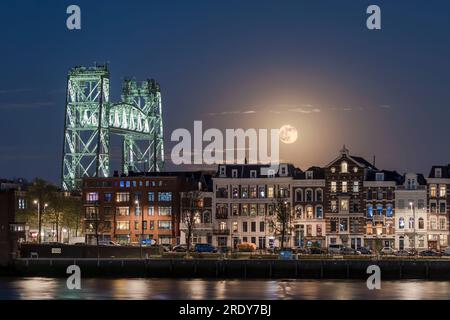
<point x="349" y="201"/>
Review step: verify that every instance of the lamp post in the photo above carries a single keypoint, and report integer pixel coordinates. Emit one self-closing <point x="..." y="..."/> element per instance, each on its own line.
<point x="38" y="203"/>
<point x="413" y="208"/>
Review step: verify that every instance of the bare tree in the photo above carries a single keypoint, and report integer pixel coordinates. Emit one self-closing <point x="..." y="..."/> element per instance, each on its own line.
<point x="191" y="208"/>
<point x="281" y="222"/>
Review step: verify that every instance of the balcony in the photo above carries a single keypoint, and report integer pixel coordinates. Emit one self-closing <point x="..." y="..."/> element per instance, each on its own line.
<point x="91" y="216"/>
<point x="197" y="226"/>
<point x="222" y="232"/>
<point x="221" y="215"/>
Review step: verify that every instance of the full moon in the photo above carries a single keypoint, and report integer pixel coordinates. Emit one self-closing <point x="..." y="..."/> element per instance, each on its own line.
<point x="288" y="134"/>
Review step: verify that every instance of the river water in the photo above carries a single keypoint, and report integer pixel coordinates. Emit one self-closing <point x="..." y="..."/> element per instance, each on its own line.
<point x="50" y="288"/>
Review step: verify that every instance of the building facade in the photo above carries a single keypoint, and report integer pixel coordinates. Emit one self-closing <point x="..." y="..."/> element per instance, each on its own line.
<point x="411" y="218"/>
<point x="138" y="206"/>
<point x="244" y="205"/>
<point x="438" y="197"/>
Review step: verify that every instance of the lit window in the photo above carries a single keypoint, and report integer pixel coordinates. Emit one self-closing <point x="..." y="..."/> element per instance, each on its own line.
<point x="333" y="186"/>
<point x="309" y="212"/>
<point x="92" y="196"/>
<point x="164" y="211"/>
<point x="344" y="205"/>
<point x="270" y="192"/>
<point x="370" y="211"/>
<point x="123" y="225"/>
<point x="165" y="225"/>
<point x="380" y="209"/>
<point x="319" y="212"/>
<point x="344" y="186"/>
<point x="442" y="191"/>
<point x="21" y="203"/>
<point x="123" y="197"/>
<point x="433" y="191"/>
<point x="165" y="196"/>
<point x="334" y="206"/>
<point x="123" y="211"/>
<point x="421" y="223"/>
<point x="401" y="223"/>
<point x="355" y="186"/>
<point x="389" y="211"/>
<point x="344" y="167"/>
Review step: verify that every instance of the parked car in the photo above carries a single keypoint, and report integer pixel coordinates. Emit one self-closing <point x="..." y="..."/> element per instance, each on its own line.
<point x="300" y="250"/>
<point x="335" y="248"/>
<point x="365" y="251"/>
<point x="180" y="248"/>
<point x="167" y="246"/>
<point x="349" y="251"/>
<point x="446" y="252"/>
<point x="387" y="251"/>
<point x="246" y="247"/>
<point x="403" y="253"/>
<point x="205" y="247"/>
<point x="108" y="243"/>
<point x="316" y="250"/>
<point x="429" y="253"/>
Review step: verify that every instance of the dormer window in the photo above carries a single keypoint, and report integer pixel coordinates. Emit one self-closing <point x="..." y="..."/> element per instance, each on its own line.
<point x="283" y="170"/>
<point x="252" y="173"/>
<point x="271" y="173"/>
<point x="379" y="176"/>
<point x="222" y="170"/>
<point x="438" y="173"/>
<point x="355" y="169"/>
<point x="234" y="173"/>
<point x="344" y="167"/>
<point x="333" y="170"/>
<point x="309" y="174"/>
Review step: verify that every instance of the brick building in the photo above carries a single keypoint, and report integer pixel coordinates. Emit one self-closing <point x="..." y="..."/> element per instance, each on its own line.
<point x="126" y="208"/>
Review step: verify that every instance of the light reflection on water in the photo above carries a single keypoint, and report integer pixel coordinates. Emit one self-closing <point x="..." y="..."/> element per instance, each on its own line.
<point x="49" y="288"/>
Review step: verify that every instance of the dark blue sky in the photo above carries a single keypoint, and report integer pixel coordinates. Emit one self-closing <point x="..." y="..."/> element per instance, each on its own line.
<point x="262" y="64"/>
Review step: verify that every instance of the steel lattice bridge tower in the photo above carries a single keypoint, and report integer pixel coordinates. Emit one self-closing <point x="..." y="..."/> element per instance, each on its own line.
<point x="91" y="118"/>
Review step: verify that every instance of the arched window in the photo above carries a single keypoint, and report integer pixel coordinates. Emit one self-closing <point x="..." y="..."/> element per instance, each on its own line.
<point x="299" y="195"/>
<point x="344" y="167"/>
<point x="421" y="223"/>
<point x="309" y="195"/>
<point x="319" y="212"/>
<point x="401" y="223"/>
<point x="389" y="211"/>
<point x="370" y="211"/>
<point x="309" y="212"/>
<point x="380" y="209"/>
<point x="319" y="195"/>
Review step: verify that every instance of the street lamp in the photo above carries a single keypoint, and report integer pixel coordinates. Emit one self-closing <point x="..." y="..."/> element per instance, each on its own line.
<point x="38" y="203"/>
<point x="413" y="208"/>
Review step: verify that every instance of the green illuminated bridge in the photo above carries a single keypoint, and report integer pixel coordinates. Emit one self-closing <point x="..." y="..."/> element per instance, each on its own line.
<point x="91" y="118"/>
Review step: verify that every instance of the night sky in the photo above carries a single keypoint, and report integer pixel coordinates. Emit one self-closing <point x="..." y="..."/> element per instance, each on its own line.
<point x="232" y="64"/>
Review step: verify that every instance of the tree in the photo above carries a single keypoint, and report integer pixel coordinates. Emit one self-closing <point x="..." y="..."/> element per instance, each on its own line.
<point x="191" y="210"/>
<point x="283" y="217"/>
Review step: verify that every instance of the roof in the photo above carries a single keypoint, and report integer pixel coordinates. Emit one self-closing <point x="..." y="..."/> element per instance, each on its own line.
<point x="445" y="172"/>
<point x="388" y="176"/>
<point x="318" y="173"/>
<point x="243" y="170"/>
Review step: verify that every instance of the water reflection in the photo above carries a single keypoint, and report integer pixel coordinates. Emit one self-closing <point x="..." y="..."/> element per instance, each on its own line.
<point x="162" y="289"/>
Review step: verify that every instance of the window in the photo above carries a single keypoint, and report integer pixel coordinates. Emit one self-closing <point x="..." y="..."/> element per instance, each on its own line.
<point x="261" y="226"/>
<point x="252" y="173"/>
<point x="442" y="224"/>
<point x="165" y="196"/>
<point x="164" y="225"/>
<point x="298" y="212"/>
<point x="270" y="192"/>
<point x="333" y="225"/>
<point x="253" y="192"/>
<point x="333" y="170"/>
<point x="380" y="209"/>
<point x="151" y="211"/>
<point x="253" y="226"/>
<point x="123" y="211"/>
<point x="309" y="230"/>
<point x="235" y="226"/>
<point x="389" y="211"/>
<point x="309" y="175"/>
<point x="137" y="196"/>
<point x="433" y="223"/>
<point x="136" y="225"/>
<point x="92" y="196"/>
<point x="137" y="211"/>
<point x="433" y="191"/>
<point x="355" y="186"/>
<point x="442" y="207"/>
<point x="261" y="209"/>
<point x="433" y="207"/>
<point x="253" y="209"/>
<point x="309" y="212"/>
<point x="344" y="205"/>
<point x="421" y="204"/>
<point x="244" y="192"/>
<point x="318" y="230"/>
<point x="442" y="191"/>
<point x="355" y="169"/>
<point x="144" y="225"/>
<point x="319" y="212"/>
<point x="421" y="223"/>
<point x="379" y="176"/>
<point x="108" y="197"/>
<point x="21" y="204"/>
<point x="235" y="209"/>
<point x="234" y="173"/>
<point x="344" y="167"/>
<point x="262" y="191"/>
<point x="244" y="226"/>
<point x="438" y="173"/>
<point x="344" y="186"/>
<point x="343" y="225"/>
<point x="122" y="196"/>
<point x="222" y="170"/>
<point x="309" y="195"/>
<point x="123" y="225"/>
<point x="244" y="210"/>
<point x="127" y="184"/>
<point x="319" y="195"/>
<point x="401" y="204"/>
<point x="299" y="195"/>
<point x="401" y="223"/>
<point x="122" y="184"/>
<point x="333" y="186"/>
<point x="334" y="206"/>
<point x="380" y="195"/>
<point x="152" y="225"/>
<point x="164" y="210"/>
<point x="151" y="196"/>
<point x="235" y="192"/>
<point x="370" y="211"/>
